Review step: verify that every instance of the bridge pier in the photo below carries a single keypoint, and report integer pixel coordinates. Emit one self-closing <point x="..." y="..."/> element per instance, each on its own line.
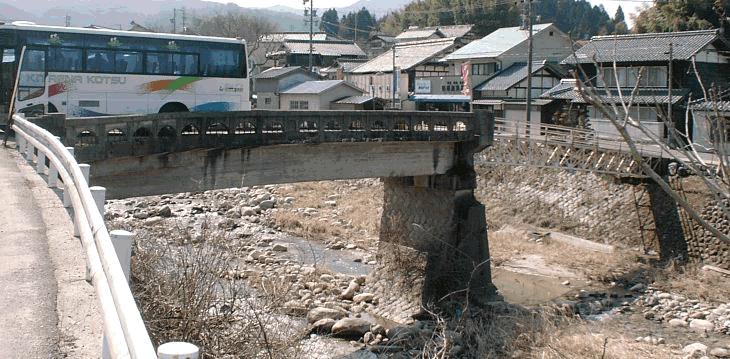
<point x="433" y="246"/>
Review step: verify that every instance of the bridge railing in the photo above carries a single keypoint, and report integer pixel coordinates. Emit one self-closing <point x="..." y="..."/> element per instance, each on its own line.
<point x="574" y="137"/>
<point x="125" y="332"/>
<point x="101" y="137"/>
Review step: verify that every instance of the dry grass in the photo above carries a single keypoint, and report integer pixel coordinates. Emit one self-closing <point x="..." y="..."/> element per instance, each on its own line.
<point x="356" y="215"/>
<point x="507" y="331"/>
<point x="506" y="245"/>
<point x="694" y="283"/>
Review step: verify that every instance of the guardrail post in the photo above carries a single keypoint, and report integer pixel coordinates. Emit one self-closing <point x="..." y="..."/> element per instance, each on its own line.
<point x="66" y="195"/>
<point x="99" y="195"/>
<point x="53" y="173"/>
<point x="122" y="241"/>
<point x="85" y="171"/>
<point x="40" y="165"/>
<point x="178" y="350"/>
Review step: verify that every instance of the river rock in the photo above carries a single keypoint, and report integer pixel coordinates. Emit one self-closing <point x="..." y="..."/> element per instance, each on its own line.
<point x="248" y="211"/>
<point x="695" y="349"/>
<point x="323" y="326"/>
<point x="363" y="297"/>
<point x="320" y="313"/>
<point x="164" y="211"/>
<point x="677" y="323"/>
<point x="720" y="352"/>
<point x="701" y="325"/>
<point x="350" y="291"/>
<point x="350" y="327"/>
<point x="280" y="248"/>
<point x="267" y="204"/>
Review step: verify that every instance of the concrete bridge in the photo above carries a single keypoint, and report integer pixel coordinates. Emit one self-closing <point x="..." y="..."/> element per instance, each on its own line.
<point x="433" y="239"/>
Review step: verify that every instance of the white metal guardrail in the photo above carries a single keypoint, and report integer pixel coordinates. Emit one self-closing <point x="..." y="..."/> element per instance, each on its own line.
<point x="125" y="335"/>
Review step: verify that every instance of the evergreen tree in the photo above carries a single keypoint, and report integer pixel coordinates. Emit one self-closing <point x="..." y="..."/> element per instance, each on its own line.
<point x="330" y="23"/>
<point x="682" y="15"/>
<point x="619" y="17"/>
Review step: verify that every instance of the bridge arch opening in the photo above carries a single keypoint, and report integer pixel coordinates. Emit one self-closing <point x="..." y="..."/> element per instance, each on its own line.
<point x="332" y="126"/>
<point x="308" y="126"/>
<point x="142" y="133"/>
<point x="116" y="135"/>
<point x="356" y="125"/>
<point x="86" y="138"/>
<point x="173" y="107"/>
<point x="167" y="132"/>
<point x="400" y="125"/>
<point x="274" y="127"/>
<point x="217" y="128"/>
<point x="244" y="128"/>
<point x="377" y="126"/>
<point x="190" y="130"/>
<point x="440" y="126"/>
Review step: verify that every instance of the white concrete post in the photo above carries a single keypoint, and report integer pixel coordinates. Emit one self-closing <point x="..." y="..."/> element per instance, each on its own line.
<point x="178" y="350"/>
<point x="99" y="195"/>
<point x="40" y="165"/>
<point x="85" y="170"/>
<point x="66" y="196"/>
<point x="19" y="142"/>
<point x="122" y="241"/>
<point x="53" y="173"/>
<point x="28" y="151"/>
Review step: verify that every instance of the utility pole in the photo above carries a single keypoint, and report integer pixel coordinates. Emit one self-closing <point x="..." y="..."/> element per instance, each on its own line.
<point x="529" y="61"/>
<point x="174" y="20"/>
<point x="392" y="105"/>
<point x="669" y="83"/>
<point x="311" y="14"/>
<point x="68" y="20"/>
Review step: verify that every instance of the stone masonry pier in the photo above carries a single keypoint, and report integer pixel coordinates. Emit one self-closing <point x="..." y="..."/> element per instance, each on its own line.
<point x="433" y="243"/>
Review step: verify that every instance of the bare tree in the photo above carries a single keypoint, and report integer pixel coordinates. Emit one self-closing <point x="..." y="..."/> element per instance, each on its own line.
<point x="616" y="107"/>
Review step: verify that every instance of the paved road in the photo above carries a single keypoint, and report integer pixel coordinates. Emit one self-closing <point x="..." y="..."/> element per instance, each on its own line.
<point x="27" y="284"/>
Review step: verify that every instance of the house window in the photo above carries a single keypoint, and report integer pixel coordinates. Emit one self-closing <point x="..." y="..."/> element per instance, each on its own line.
<point x="483" y="69"/>
<point x="298" y="105"/>
<point x="551" y="33"/>
<point x="652" y="76"/>
<point x="718" y="126"/>
<point x="267" y="101"/>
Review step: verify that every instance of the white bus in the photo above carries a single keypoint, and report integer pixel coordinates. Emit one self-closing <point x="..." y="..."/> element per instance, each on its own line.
<point x="96" y="72"/>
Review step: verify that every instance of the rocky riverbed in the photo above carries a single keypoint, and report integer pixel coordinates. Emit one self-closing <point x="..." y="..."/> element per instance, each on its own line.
<point x="325" y="282"/>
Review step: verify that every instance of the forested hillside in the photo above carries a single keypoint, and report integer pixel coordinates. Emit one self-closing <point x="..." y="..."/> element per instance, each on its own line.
<point x="577" y="17"/>
<point x="682" y="15"/>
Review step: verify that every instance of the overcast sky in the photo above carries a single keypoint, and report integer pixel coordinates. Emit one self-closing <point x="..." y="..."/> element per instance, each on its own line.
<point x="629" y="7"/>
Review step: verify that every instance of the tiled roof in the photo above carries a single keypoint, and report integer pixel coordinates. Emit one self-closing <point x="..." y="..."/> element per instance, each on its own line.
<point x="505" y="79"/>
<point x="275" y="72"/>
<point x="426" y="32"/>
<point x="408" y="55"/>
<point x="325" y="48"/>
<point x="646" y="47"/>
<point x="356" y="100"/>
<point x="292" y="36"/>
<point x="316" y="87"/>
<point x="495" y="43"/>
<point x="712" y="106"/>
<point x="646" y="96"/>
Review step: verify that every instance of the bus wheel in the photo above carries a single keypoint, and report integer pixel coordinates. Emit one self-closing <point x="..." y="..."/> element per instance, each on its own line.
<point x="173" y="107"/>
<point x="52" y="108"/>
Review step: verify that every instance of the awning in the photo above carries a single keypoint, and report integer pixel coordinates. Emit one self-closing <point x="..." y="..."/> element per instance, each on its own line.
<point x="440" y="98"/>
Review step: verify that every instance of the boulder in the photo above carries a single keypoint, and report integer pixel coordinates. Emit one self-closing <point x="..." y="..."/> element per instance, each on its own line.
<point x="267" y="204"/>
<point x="677" y="323"/>
<point x="320" y="313"/>
<point x="248" y="211"/>
<point x="323" y="326"/>
<point x="164" y="211"/>
<point x="350" y="328"/>
<point x="695" y="349"/>
<point x="280" y="248"/>
<point x="701" y="325"/>
<point x="363" y="297"/>
<point x="350" y="291"/>
<point x="720" y="352"/>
